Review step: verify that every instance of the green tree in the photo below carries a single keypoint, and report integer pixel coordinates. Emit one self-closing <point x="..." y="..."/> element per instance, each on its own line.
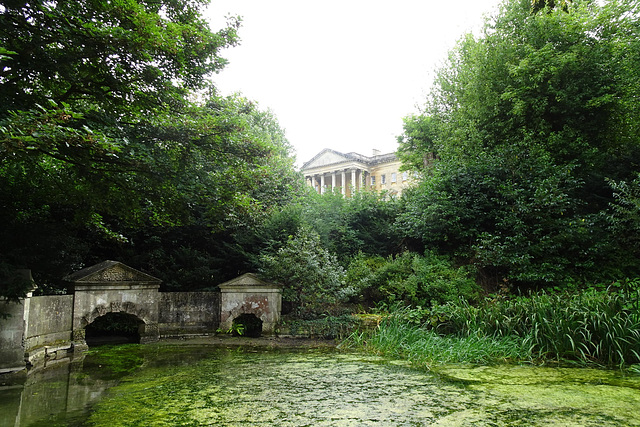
<point x="110" y="57"/>
<point x="409" y="278"/>
<point x="348" y="225"/>
<point x="418" y="144"/>
<point x="313" y="279"/>
<point x="530" y="121"/>
<point x="101" y="145"/>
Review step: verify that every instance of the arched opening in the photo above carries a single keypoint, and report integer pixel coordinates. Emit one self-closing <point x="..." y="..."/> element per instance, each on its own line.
<point x="114" y="328"/>
<point x="249" y="324"/>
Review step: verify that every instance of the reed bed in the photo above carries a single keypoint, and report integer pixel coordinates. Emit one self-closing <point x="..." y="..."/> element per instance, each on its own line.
<point x="591" y="327"/>
<point x="424" y="347"/>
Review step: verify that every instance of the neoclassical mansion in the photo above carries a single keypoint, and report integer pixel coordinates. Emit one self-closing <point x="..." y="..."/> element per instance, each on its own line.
<point x="331" y="170"/>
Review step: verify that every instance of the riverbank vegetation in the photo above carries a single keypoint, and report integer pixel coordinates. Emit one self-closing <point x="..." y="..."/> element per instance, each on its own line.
<point x="596" y="326"/>
<point x="520" y="239"/>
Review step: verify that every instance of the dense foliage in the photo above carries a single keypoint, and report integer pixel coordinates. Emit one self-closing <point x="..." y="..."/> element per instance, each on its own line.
<point x="312" y="279"/>
<point x="528" y="149"/>
<point x="103" y="151"/>
<point x="114" y="145"/>
<point x="409" y="278"/>
<point x="597" y="326"/>
<point x="532" y="135"/>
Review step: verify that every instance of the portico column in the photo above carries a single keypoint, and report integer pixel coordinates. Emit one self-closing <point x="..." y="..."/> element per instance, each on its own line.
<point x="344" y="184"/>
<point x="322" y="184"/>
<point x="333" y="181"/>
<point x="353" y="181"/>
<point x="316" y="184"/>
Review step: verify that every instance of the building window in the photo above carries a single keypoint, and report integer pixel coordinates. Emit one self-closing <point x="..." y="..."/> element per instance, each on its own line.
<point x="393" y="178"/>
<point x="405" y="175"/>
<point x="373" y="180"/>
<point x="383" y="179"/>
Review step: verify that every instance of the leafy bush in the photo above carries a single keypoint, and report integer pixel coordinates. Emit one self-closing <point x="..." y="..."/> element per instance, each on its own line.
<point x="423" y="347"/>
<point x="312" y="278"/>
<point x="410" y="278"/>
<point x="349" y="225"/>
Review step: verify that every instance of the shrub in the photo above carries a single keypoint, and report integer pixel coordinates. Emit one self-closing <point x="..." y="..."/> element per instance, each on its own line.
<point x="312" y="278"/>
<point x="411" y="279"/>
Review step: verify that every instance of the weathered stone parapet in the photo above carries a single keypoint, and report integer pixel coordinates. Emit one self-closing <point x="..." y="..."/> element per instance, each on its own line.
<point x="185" y="314"/>
<point x="12" y="330"/>
<point x="13" y="326"/>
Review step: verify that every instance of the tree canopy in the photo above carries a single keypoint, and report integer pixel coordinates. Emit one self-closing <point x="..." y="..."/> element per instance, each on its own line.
<point x="531" y="122"/>
<point x="109" y="124"/>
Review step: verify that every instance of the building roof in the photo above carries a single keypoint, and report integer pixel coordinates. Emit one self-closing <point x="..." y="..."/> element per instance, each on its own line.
<point x="329" y="157"/>
<point x="111" y="271"/>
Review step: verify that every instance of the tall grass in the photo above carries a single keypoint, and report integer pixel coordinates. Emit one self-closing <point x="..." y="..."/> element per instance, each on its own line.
<point x="395" y="337"/>
<point x="593" y="326"/>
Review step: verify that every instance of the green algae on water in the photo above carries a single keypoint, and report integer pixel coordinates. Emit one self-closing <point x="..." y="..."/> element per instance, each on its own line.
<point x="294" y="388"/>
<point x="199" y="385"/>
<point x="524" y="395"/>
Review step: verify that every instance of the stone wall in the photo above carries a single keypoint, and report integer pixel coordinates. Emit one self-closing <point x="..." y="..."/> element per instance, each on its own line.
<point x="188" y="313"/>
<point x="48" y="329"/>
<point x="11" y="333"/>
<point x="43" y="330"/>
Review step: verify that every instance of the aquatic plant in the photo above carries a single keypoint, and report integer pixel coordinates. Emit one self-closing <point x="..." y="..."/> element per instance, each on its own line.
<point x="424" y="347"/>
<point x="594" y="326"/>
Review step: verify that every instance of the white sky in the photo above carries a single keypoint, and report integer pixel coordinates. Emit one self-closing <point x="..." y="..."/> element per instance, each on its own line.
<point x="341" y="74"/>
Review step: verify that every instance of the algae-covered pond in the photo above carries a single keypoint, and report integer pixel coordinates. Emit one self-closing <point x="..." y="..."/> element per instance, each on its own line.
<point x="197" y="385"/>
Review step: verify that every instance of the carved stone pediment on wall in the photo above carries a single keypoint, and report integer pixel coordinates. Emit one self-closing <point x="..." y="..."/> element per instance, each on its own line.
<point x="111" y="273"/>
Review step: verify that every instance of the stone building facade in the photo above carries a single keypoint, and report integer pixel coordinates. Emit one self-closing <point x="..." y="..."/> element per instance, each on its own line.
<point x="331" y="170"/>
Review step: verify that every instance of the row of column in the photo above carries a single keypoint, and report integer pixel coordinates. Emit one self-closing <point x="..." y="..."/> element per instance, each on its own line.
<point x="321" y="183"/>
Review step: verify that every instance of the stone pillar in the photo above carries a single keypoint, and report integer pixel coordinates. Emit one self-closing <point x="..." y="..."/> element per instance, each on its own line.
<point x="354" y="183"/>
<point x="344" y="183"/>
<point x="333" y="181"/>
<point x="322" y="184"/>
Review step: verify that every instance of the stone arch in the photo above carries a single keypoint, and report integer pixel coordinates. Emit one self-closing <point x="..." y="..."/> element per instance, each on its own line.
<point x="148" y="329"/>
<point x="113" y="287"/>
<point x="251" y="324"/>
<point x="115" y="327"/>
<point x="93" y="313"/>
<point x="248" y="294"/>
<point x="255" y="306"/>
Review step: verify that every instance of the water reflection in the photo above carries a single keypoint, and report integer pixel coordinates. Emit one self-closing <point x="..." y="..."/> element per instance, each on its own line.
<point x="57" y="395"/>
<point x="199" y="385"/>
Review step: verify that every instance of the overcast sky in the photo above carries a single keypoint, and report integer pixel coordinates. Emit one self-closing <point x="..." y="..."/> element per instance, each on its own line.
<point x="341" y="74"/>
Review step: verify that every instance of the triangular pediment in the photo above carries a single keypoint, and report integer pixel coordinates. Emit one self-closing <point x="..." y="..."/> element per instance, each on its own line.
<point x="247" y="280"/>
<point x="326" y="157"/>
<point x="110" y="272"/>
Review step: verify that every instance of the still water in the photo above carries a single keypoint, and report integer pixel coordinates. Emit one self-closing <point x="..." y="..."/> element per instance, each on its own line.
<point x="156" y="385"/>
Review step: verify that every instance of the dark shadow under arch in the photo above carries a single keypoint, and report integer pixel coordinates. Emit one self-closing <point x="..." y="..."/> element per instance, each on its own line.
<point x="251" y="325"/>
<point x="114" y="328"/>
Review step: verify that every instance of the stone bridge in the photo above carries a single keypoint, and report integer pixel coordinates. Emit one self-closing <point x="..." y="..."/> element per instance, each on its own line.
<point x="49" y="327"/>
